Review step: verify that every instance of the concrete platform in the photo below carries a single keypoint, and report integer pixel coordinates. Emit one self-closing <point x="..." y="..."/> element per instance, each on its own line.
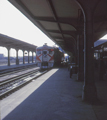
<point x="15" y="66"/>
<point x="53" y="96"/>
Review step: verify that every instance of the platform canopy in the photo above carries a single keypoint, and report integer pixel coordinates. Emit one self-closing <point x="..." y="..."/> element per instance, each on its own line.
<point x="99" y="44"/>
<point x="10" y="42"/>
<point x="63" y="20"/>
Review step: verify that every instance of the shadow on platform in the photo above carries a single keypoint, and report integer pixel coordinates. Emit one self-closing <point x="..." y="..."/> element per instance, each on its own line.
<point x="57" y="97"/>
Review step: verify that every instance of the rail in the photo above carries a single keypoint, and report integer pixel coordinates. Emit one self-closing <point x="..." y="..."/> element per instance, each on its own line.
<point x="10" y="85"/>
<point x="15" y="70"/>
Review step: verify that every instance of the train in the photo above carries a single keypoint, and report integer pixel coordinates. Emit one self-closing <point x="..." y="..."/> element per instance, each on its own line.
<point x="48" y="56"/>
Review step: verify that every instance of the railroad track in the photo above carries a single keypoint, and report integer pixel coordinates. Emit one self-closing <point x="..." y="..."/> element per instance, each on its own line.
<point x="15" y="70"/>
<point x="10" y="85"/>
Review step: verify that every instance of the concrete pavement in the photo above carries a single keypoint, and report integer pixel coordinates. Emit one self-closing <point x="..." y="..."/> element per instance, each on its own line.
<point x="53" y="96"/>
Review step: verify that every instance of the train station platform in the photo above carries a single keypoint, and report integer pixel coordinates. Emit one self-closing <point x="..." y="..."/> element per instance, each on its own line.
<point x="15" y="66"/>
<point x="54" y="96"/>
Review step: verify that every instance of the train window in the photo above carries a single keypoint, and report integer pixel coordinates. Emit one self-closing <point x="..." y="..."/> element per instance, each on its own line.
<point x="44" y="52"/>
<point x="50" y="51"/>
<point x="44" y="63"/>
<point x="38" y="52"/>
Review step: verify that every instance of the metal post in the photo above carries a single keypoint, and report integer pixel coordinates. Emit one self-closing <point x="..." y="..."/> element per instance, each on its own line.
<point x="8" y="56"/>
<point x="80" y="58"/>
<point x="32" y="56"/>
<point x="17" y="60"/>
<point x="89" y="89"/>
<point x="23" y="57"/>
<point x="28" y="56"/>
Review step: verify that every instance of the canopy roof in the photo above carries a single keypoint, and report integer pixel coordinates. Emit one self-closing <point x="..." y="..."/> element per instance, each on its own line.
<point x="63" y="20"/>
<point x="9" y="42"/>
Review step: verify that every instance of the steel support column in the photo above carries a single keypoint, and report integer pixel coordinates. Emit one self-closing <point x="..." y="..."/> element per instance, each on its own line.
<point x="80" y="58"/>
<point x="23" y="56"/>
<point x="17" y="60"/>
<point x="32" y="57"/>
<point x="28" y="56"/>
<point x="8" y="56"/>
<point x="89" y="89"/>
<point x="35" y="57"/>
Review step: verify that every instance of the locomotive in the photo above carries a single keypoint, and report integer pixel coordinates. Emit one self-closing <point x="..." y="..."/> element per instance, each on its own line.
<point x="48" y="57"/>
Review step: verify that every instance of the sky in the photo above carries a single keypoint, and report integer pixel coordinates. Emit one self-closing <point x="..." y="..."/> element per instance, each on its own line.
<point x="104" y="37"/>
<point x="14" y="24"/>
